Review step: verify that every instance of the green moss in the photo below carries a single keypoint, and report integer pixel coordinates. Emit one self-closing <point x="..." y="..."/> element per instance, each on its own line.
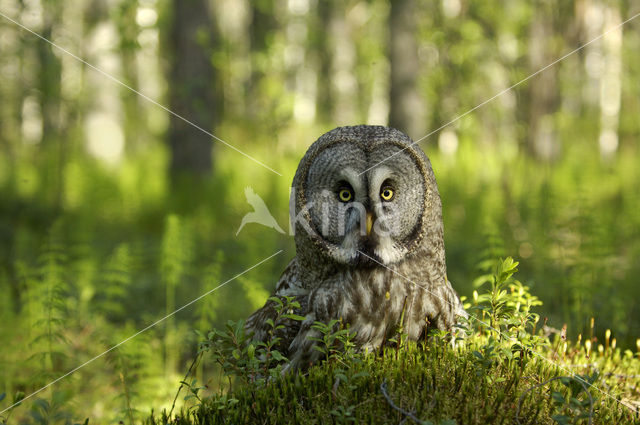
<point x="434" y="381"/>
<point x="504" y="370"/>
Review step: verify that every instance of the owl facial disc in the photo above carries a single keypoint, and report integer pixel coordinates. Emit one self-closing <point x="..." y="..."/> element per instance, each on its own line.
<point x="355" y="207"/>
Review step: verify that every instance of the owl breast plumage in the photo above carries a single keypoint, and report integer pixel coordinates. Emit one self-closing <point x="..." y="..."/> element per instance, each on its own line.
<point x="369" y="241"/>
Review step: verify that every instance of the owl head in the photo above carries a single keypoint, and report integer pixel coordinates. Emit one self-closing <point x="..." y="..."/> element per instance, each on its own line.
<point x="365" y="194"/>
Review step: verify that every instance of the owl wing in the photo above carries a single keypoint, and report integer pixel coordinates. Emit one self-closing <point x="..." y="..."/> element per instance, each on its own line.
<point x="257" y="326"/>
<point x="450" y="309"/>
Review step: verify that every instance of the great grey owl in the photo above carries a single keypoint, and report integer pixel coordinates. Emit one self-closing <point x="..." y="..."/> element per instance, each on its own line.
<point x="369" y="244"/>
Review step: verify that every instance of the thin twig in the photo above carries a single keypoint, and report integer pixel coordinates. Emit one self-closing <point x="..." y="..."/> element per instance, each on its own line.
<point x="407" y="414"/>
<point x="182" y="383"/>
<point x="621" y="376"/>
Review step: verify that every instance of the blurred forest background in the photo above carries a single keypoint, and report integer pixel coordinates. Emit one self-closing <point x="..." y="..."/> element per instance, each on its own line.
<point x="113" y="212"/>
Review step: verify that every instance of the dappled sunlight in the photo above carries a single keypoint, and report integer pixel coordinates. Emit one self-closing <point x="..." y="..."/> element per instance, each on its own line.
<point x="128" y="141"/>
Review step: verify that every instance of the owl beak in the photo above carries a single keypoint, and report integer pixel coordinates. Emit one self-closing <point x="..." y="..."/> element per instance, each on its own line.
<point x="369" y="222"/>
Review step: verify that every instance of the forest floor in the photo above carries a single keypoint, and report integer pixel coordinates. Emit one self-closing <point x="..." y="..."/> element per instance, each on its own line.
<point x="502" y="369"/>
<point x="431" y="384"/>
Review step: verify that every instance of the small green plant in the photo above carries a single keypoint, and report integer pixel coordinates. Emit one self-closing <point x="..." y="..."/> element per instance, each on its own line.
<point x="247" y="360"/>
<point x="241" y="359"/>
<point x="194" y="391"/>
<point x="574" y="404"/>
<point x="230" y="349"/>
<point x="223" y="402"/>
<point x="53" y="411"/>
<point x="571" y="406"/>
<point x="17" y="400"/>
<point x="343" y="414"/>
<point x="335" y="341"/>
<point x="400" y="336"/>
<point x="337" y="346"/>
<point x="503" y="315"/>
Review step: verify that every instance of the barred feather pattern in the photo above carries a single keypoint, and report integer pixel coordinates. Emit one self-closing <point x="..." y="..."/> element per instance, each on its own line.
<point x="370" y="300"/>
<point x="369" y="281"/>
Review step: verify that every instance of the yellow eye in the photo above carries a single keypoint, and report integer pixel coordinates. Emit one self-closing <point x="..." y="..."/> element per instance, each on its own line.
<point x="345" y="195"/>
<point x="386" y="194"/>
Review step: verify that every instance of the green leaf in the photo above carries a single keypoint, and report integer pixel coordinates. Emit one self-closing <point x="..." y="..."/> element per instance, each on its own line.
<point x="315" y="347"/>
<point x="566" y="381"/>
<point x="561" y="419"/>
<point x="294" y="317"/>
<point x="278" y="356"/>
<point x="17" y="398"/>
<point x="558" y="397"/>
<point x="481" y="280"/>
<point x="575" y="402"/>
<point x="342" y="377"/>
<point x="276" y="300"/>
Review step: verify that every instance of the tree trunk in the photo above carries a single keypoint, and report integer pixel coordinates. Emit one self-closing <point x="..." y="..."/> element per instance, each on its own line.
<point x="191" y="88"/>
<point x="406" y="106"/>
<point x="343" y="63"/>
<point x="49" y="87"/>
<point x="324" y="98"/>
<point x="543" y="88"/>
<point x="261" y="32"/>
<point x="610" y="83"/>
<point x="54" y="141"/>
<point x="128" y="30"/>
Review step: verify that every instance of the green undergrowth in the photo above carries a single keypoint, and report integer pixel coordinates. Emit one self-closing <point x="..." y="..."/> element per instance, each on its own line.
<point x="505" y="367"/>
<point x="437" y="383"/>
